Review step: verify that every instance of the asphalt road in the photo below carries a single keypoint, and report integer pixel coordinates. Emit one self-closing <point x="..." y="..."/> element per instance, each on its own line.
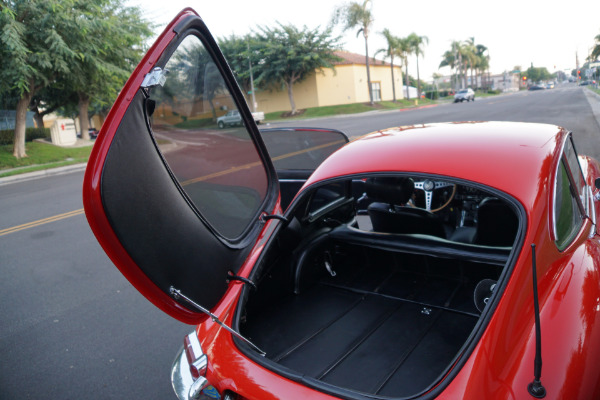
<point x="72" y="327"/>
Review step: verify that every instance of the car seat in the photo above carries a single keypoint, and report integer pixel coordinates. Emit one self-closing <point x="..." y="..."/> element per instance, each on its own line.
<point x="390" y="213"/>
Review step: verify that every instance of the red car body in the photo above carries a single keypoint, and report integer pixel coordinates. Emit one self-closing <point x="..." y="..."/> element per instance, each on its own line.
<point x="515" y="160"/>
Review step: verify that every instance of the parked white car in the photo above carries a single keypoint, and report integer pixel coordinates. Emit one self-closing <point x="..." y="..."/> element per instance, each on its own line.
<point x="464" y="94"/>
<point x="233" y="117"/>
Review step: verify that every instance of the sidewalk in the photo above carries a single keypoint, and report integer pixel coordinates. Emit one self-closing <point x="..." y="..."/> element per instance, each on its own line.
<point x="40" y="174"/>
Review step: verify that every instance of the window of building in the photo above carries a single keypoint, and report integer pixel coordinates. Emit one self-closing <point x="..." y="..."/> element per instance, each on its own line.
<point x="376" y="91"/>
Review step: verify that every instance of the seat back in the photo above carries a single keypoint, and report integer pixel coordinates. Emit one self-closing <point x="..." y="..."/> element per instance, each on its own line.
<point x="497" y="223"/>
<point x="389" y="212"/>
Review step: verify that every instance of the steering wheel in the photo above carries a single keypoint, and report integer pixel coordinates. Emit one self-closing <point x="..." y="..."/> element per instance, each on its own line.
<point x="428" y="186"/>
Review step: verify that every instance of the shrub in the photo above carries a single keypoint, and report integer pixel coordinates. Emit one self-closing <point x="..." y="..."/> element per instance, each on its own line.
<point x="432" y="95"/>
<point x="446" y="92"/>
<point x="8" y="136"/>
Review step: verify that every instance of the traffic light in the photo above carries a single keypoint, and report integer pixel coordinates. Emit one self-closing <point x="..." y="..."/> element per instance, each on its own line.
<point x="524" y="78"/>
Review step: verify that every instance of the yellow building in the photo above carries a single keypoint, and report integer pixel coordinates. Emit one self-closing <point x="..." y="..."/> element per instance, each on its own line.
<point x="345" y="85"/>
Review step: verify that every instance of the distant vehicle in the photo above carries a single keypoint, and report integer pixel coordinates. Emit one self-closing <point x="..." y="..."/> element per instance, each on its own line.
<point x="586" y="83"/>
<point x="550" y="85"/>
<point x="536" y="87"/>
<point x="92" y="132"/>
<point x="464" y="94"/>
<point x="233" y="117"/>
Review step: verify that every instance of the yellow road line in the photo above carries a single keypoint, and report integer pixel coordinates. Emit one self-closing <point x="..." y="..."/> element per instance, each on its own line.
<point x="257" y="163"/>
<point x="40" y="222"/>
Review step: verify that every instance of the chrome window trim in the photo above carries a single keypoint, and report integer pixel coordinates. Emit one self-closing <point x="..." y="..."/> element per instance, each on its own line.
<point x="592" y="213"/>
<point x="583" y="209"/>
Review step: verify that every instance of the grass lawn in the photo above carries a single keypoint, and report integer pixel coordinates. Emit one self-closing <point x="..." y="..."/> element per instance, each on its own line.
<point x="346" y="109"/>
<point x="41" y="156"/>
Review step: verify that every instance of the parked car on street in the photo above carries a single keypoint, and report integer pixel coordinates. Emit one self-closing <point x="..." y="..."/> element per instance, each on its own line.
<point x="233" y="117"/>
<point x="429" y="261"/>
<point x="464" y="95"/>
<point x="536" y="87"/>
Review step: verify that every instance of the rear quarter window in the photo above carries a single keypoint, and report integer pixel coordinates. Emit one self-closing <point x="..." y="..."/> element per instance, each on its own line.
<point x="567" y="214"/>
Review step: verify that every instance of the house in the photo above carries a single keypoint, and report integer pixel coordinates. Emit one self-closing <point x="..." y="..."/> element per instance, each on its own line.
<point x="506" y="82"/>
<point x="345" y="84"/>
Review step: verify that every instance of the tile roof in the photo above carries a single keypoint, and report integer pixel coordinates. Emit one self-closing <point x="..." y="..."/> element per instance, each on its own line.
<point x="353" y="58"/>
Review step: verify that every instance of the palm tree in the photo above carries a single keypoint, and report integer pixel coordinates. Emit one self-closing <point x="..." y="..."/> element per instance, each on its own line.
<point x="456" y="49"/>
<point x="417" y="43"/>
<point x="405" y="49"/>
<point x="353" y="15"/>
<point x="596" y="50"/>
<point x="483" y="61"/>
<point x="390" y="52"/>
<point x="469" y="58"/>
<point x="449" y="60"/>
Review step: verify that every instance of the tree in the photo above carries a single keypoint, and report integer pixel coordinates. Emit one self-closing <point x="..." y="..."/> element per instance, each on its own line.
<point x="463" y="56"/>
<point x="77" y="47"/>
<point x="35" y="51"/>
<point x="455" y="59"/>
<point x="109" y="41"/>
<point x="243" y="54"/>
<point x="470" y="58"/>
<point x="417" y="43"/>
<point x="392" y="50"/>
<point x="536" y="74"/>
<point x="353" y="15"/>
<point x="50" y="99"/>
<point x="405" y="50"/>
<point x="288" y="55"/>
<point x="482" y="61"/>
<point x="595" y="54"/>
<point x="449" y="60"/>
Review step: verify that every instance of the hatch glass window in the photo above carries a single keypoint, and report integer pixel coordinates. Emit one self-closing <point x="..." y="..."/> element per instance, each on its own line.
<point x="220" y="170"/>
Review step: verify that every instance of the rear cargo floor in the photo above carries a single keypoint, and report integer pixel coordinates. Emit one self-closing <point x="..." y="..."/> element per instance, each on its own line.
<point x="391" y="335"/>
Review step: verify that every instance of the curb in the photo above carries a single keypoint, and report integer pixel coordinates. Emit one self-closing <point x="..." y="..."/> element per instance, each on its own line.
<point x="42" y="173"/>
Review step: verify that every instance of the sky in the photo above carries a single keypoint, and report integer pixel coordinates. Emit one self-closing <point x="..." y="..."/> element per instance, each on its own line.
<point x="542" y="33"/>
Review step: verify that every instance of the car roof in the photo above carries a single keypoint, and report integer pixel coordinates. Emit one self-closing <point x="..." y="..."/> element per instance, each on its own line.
<point x="509" y="156"/>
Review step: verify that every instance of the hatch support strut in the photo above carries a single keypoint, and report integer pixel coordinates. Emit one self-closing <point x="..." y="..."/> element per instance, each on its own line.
<point x="176" y="293"/>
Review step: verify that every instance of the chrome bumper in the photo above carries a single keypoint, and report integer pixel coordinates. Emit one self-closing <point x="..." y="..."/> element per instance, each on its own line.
<point x="184" y="384"/>
<point x="181" y="378"/>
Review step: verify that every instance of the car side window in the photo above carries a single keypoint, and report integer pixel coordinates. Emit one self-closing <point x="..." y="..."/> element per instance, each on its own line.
<point x="576" y="173"/>
<point x="568" y="217"/>
<point x="219" y="170"/>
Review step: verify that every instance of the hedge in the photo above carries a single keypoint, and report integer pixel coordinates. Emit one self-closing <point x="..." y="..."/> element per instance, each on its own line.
<point x="432" y="95"/>
<point x="8" y="136"/>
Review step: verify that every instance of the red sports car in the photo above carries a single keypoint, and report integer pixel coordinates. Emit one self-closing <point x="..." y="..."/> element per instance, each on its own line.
<point x="433" y="261"/>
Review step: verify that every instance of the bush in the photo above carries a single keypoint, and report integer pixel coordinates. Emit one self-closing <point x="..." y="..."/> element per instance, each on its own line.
<point x="8" y="136"/>
<point x="432" y="95"/>
<point x="494" y="91"/>
<point x="446" y="92"/>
